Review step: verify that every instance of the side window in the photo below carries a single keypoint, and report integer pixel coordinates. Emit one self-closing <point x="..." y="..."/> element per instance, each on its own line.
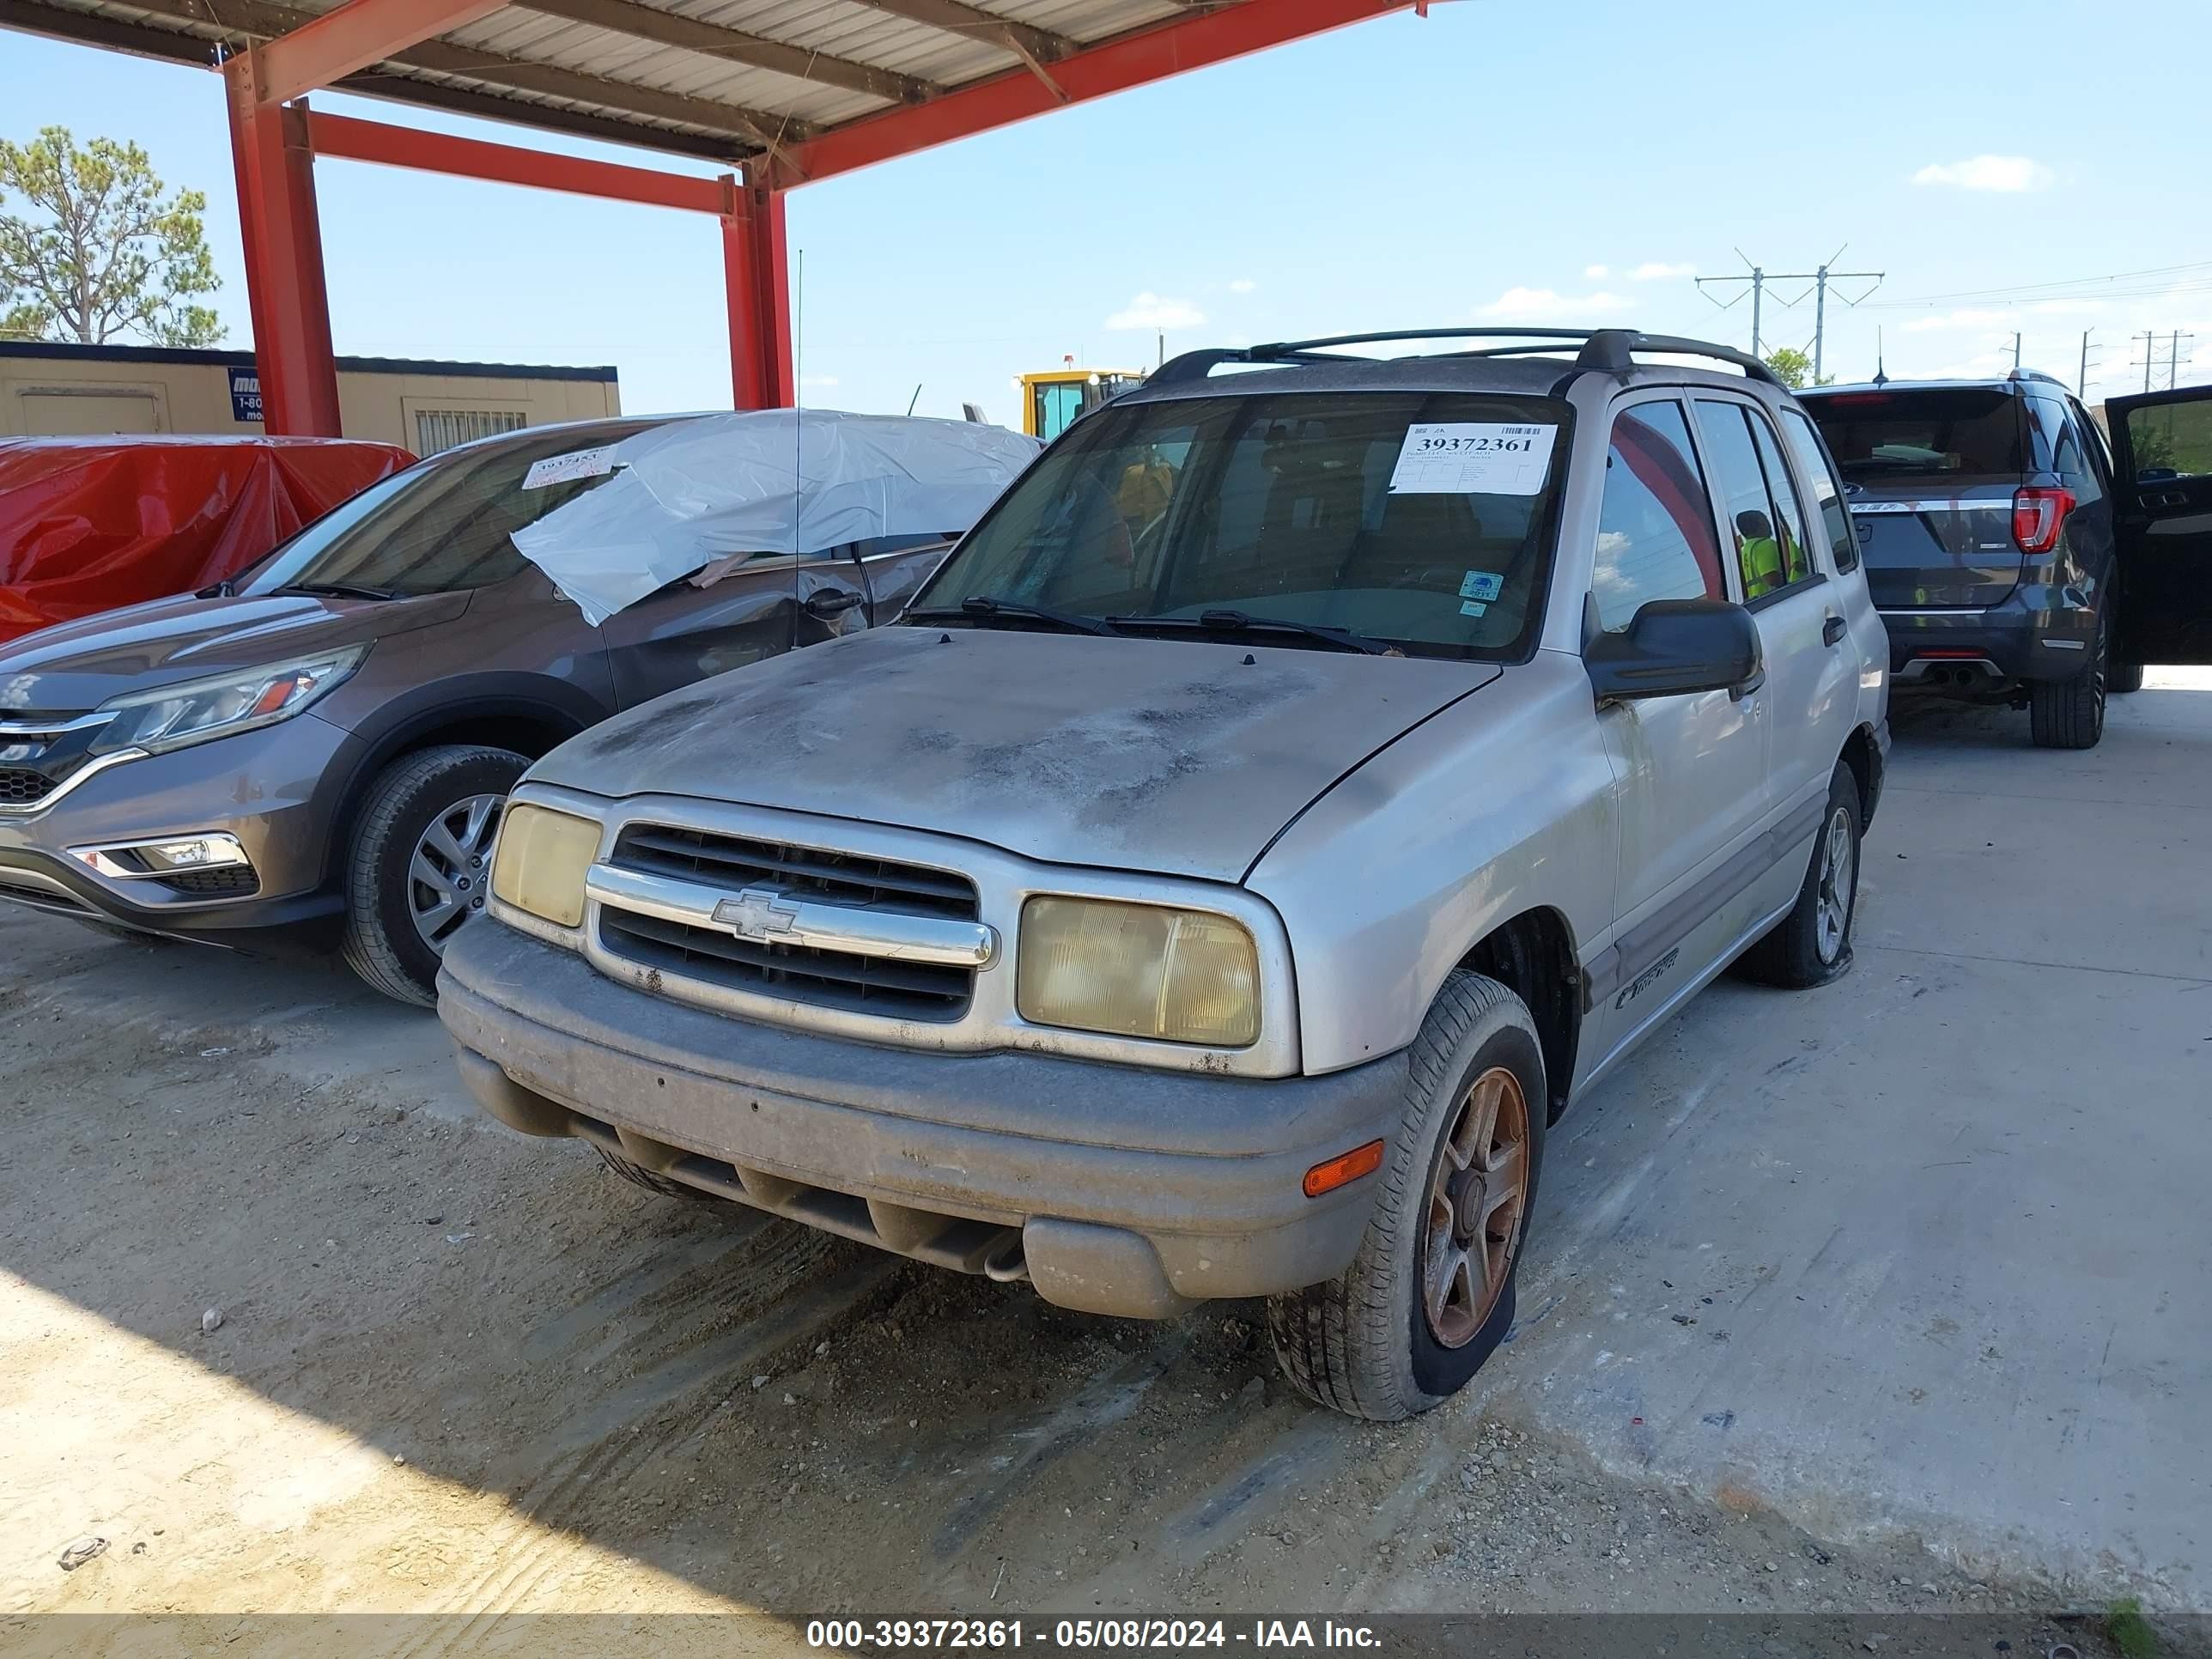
<point x="2075" y="469"/>
<point x="1766" y="547"/>
<point x="1835" y="518"/>
<point x="2171" y="442"/>
<point x="1654" y="535"/>
<point x="1789" y="515"/>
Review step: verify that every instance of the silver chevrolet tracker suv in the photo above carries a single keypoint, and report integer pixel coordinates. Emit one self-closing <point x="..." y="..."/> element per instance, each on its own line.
<point x="1299" y="786"/>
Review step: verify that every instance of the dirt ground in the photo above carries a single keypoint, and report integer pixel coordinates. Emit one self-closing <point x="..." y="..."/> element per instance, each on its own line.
<point x="288" y="1329"/>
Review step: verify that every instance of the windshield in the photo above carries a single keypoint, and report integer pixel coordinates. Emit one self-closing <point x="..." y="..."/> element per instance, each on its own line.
<point x="440" y="526"/>
<point x="1419" y="521"/>
<point x="1913" y="433"/>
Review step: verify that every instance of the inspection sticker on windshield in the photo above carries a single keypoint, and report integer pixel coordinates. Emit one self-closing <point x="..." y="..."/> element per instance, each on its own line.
<point x="1472" y="458"/>
<point x="561" y="468"/>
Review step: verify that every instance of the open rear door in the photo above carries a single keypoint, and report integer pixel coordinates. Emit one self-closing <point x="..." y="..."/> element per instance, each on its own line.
<point x="2162" y="501"/>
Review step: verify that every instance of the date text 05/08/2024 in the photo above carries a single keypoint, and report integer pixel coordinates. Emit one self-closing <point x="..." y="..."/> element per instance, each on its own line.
<point x="995" y="1635"/>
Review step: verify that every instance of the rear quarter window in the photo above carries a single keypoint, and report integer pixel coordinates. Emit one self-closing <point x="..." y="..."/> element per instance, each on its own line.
<point x="1953" y="434"/>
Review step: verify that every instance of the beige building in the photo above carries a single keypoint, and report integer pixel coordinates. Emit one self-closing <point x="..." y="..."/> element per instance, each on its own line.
<point x="48" y="390"/>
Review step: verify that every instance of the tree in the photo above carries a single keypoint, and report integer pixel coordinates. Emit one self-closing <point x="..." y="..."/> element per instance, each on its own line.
<point x="1795" y="369"/>
<point x="102" y="253"/>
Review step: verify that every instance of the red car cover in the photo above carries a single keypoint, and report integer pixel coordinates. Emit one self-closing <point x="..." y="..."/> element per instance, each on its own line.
<point x="88" y="524"/>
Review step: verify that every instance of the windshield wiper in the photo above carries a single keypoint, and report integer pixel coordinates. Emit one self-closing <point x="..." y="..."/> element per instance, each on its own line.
<point x="339" y="590"/>
<point x="1240" y="622"/>
<point x="986" y="608"/>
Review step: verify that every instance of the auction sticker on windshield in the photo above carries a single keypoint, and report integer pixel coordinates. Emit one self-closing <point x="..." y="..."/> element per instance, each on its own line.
<point x="1472" y="458"/>
<point x="578" y="464"/>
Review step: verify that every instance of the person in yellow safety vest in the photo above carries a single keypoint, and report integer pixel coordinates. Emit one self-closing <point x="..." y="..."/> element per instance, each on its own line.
<point x="1758" y="553"/>
<point x="1145" y="489"/>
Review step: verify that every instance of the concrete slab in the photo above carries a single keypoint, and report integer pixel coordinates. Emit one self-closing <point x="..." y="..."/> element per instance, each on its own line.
<point x="1922" y="1251"/>
<point x="1925" y="1248"/>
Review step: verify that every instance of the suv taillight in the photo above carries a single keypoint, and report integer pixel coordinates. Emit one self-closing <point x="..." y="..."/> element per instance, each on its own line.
<point x="2037" y="516"/>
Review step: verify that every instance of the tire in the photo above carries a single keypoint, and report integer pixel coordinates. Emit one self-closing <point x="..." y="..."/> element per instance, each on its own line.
<point x="638" y="1176"/>
<point x="2070" y="713"/>
<point x="1368" y="1343"/>
<point x="383" y="942"/>
<point x="2122" y="678"/>
<point x="1811" y="946"/>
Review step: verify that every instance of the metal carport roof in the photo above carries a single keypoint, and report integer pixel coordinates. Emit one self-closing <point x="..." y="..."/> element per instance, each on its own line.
<point x="788" y="91"/>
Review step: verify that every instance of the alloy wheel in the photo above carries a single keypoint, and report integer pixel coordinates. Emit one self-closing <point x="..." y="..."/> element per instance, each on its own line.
<point x="1478" y="1198"/>
<point x="450" y="871"/>
<point x="1833" y="905"/>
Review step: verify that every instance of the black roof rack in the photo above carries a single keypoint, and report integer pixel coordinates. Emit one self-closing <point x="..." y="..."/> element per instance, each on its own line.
<point x="2035" y="374"/>
<point x="1607" y="350"/>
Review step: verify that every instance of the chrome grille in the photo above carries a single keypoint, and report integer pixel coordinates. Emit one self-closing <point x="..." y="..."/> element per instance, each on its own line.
<point x="802" y="872"/>
<point x="859" y="885"/>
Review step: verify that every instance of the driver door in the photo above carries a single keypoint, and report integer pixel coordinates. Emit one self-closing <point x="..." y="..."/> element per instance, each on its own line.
<point x="2162" y="522"/>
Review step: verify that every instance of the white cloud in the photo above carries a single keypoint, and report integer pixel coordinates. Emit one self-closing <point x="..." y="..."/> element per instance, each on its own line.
<point x="1544" y="305"/>
<point x="1243" y="285"/>
<point x="1999" y="172"/>
<point x="1596" y="273"/>
<point x="1150" y="311"/>
<point x="1654" y="271"/>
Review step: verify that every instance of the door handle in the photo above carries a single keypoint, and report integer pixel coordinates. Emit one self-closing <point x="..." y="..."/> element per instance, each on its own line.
<point x="830" y="602"/>
<point x="1832" y="630"/>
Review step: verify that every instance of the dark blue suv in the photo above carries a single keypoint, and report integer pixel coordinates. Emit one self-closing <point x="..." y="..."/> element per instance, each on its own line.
<point x="2015" y="557"/>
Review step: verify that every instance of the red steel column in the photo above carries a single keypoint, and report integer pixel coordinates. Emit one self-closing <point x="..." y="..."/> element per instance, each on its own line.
<point x="756" y="269"/>
<point x="284" y="243"/>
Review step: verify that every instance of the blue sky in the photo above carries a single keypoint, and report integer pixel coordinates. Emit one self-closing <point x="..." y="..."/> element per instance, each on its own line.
<point x="1570" y="163"/>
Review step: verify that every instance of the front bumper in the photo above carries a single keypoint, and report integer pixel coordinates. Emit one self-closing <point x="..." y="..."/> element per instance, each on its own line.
<point x="275" y="790"/>
<point x="1113" y="1189"/>
<point x="2041" y="632"/>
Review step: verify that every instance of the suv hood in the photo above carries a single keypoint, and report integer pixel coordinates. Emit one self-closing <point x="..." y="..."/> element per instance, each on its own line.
<point x="78" y="665"/>
<point x="1171" y="755"/>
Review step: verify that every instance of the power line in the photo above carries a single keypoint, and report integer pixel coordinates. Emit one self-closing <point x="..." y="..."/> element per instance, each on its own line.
<point x="2039" y="287"/>
<point x="2174" y="363"/>
<point x="1759" y="278"/>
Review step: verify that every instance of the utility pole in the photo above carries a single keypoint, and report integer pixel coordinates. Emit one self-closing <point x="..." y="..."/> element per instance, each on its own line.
<point x="2149" y="340"/>
<point x="2173" y="359"/>
<point x="2016" y="351"/>
<point x="1759" y="278"/>
<point x="2081" y="385"/>
<point x="1758" y="281"/>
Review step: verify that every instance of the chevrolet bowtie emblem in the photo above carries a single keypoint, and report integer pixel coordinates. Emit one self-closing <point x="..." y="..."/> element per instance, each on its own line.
<point x="755" y="913"/>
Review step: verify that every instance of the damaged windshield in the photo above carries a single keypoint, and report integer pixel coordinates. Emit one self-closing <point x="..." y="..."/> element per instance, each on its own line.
<point x="441" y="525"/>
<point x="1420" y="522"/>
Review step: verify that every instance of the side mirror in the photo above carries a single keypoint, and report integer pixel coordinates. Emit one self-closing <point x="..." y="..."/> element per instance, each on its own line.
<point x="1674" y="646"/>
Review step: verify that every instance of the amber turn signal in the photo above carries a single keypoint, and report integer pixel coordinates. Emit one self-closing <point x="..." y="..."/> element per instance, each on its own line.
<point x="1344" y="1169"/>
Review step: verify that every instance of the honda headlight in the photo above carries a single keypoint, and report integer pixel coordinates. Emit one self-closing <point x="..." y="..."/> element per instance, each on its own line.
<point x="1141" y="970"/>
<point x="197" y="710"/>
<point x="541" y="862"/>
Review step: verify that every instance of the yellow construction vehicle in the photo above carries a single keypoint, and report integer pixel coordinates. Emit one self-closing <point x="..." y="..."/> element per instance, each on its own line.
<point x="1051" y="400"/>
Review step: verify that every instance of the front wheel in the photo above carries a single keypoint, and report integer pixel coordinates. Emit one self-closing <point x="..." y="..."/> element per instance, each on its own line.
<point x="2123" y="677"/>
<point x="1431" y="1294"/>
<point x="420" y="862"/>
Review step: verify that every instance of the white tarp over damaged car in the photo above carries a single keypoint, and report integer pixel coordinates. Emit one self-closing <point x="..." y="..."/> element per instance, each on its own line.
<point x="689" y="494"/>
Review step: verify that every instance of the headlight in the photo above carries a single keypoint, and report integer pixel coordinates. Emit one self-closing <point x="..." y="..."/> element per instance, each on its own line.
<point x="197" y="710"/>
<point x="542" y="860"/>
<point x="1139" y="970"/>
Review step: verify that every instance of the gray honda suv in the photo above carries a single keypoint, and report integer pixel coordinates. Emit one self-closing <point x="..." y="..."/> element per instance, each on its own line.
<point x="320" y="756"/>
